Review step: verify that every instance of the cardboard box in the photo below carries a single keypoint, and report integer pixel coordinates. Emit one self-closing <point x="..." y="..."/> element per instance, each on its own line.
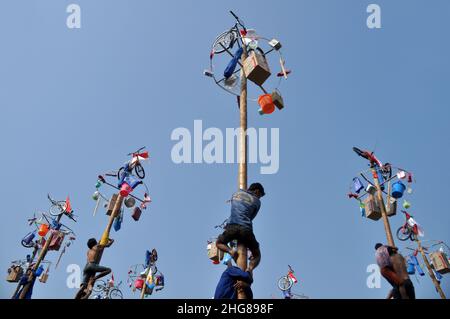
<point x="214" y="253"/>
<point x="14" y="273"/>
<point x="372" y="208"/>
<point x="43" y="278"/>
<point x="391" y="207"/>
<point x="440" y="262"/>
<point x="256" y="68"/>
<point x="277" y="100"/>
<point x="111" y="204"/>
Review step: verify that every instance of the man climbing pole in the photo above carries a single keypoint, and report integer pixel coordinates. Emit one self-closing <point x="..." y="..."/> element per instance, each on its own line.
<point x="393" y="269"/>
<point x="245" y="205"/>
<point x="233" y="279"/>
<point x="92" y="268"/>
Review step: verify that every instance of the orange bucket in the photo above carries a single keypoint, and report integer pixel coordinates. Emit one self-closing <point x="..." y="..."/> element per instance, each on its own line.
<point x="43" y="230"/>
<point x="266" y="103"/>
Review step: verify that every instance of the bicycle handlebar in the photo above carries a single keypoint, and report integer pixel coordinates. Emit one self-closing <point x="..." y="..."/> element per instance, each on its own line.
<point x="239" y="21"/>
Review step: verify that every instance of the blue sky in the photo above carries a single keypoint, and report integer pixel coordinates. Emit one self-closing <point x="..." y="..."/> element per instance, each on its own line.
<point x="75" y="102"/>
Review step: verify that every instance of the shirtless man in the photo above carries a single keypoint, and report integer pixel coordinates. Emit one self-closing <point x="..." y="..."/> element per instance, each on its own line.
<point x="405" y="287"/>
<point x="92" y="268"/>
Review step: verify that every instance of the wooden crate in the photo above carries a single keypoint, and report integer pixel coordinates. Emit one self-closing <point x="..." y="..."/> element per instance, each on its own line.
<point x="440" y="262"/>
<point x="14" y="274"/>
<point x="372" y="208"/>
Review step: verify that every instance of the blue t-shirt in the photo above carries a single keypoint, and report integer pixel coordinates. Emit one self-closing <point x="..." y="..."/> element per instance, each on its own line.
<point x="225" y="288"/>
<point x="244" y="207"/>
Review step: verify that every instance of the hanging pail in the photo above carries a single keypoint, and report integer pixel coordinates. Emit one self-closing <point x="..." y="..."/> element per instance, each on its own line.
<point x="398" y="189"/>
<point x="139" y="283"/>
<point x="125" y="190"/>
<point x="39" y="271"/>
<point x="406" y="204"/>
<point x="130" y="202"/>
<point x="357" y="185"/>
<point x="29" y="238"/>
<point x="43" y="230"/>
<point x="266" y="103"/>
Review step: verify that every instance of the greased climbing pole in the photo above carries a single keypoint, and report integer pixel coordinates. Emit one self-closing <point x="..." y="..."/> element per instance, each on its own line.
<point x="253" y="66"/>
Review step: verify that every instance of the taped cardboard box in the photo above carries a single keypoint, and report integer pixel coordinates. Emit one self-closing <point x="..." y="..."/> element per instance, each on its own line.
<point x="372" y="208"/>
<point x="43" y="278"/>
<point x="214" y="253"/>
<point x="391" y="207"/>
<point x="277" y="100"/>
<point x="256" y="68"/>
<point x="440" y="262"/>
<point x="14" y="273"/>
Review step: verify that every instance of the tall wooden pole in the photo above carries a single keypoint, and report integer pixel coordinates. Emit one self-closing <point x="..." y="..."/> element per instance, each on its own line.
<point x="387" y="226"/>
<point x="242" y="250"/>
<point x="41" y="257"/>
<point x="114" y="213"/>
<point x="430" y="270"/>
<point x="144" y="286"/>
<point x="33" y="255"/>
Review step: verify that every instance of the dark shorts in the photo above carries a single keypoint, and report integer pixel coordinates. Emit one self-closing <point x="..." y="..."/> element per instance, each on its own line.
<point x="91" y="269"/>
<point x="409" y="287"/>
<point x="241" y="234"/>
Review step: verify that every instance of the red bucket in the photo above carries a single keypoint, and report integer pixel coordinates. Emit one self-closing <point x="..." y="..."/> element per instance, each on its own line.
<point x="125" y="190"/>
<point x="43" y="230"/>
<point x="139" y="283"/>
<point x="266" y="103"/>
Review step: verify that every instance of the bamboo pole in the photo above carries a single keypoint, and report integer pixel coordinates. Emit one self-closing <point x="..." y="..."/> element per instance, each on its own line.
<point x="430" y="270"/>
<point x="242" y="250"/>
<point x="41" y="257"/>
<point x="387" y="226"/>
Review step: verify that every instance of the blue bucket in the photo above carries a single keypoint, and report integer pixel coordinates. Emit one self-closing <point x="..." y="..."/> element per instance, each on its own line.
<point x="29" y="238"/>
<point x="398" y="189"/>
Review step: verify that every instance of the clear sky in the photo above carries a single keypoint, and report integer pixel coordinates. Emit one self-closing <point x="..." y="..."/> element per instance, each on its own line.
<point x="74" y="102"/>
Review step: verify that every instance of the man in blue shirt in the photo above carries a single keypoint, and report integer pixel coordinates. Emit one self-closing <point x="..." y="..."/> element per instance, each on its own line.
<point x="244" y="208"/>
<point x="232" y="279"/>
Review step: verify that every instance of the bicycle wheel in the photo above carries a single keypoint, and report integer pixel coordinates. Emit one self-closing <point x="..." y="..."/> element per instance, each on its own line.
<point x="119" y="173"/>
<point x="115" y="294"/>
<point x="99" y="286"/>
<point x="227" y="39"/>
<point x="29" y="245"/>
<point x="403" y="233"/>
<point x="139" y="170"/>
<point x="285" y="283"/>
<point x="412" y="236"/>
<point x="58" y="208"/>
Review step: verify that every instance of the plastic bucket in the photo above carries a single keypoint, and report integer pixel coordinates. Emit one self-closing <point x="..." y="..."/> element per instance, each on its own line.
<point x="29" y="238"/>
<point x="139" y="283"/>
<point x="43" y="230"/>
<point x="398" y="189"/>
<point x="125" y="190"/>
<point x="130" y="202"/>
<point x="266" y="103"/>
